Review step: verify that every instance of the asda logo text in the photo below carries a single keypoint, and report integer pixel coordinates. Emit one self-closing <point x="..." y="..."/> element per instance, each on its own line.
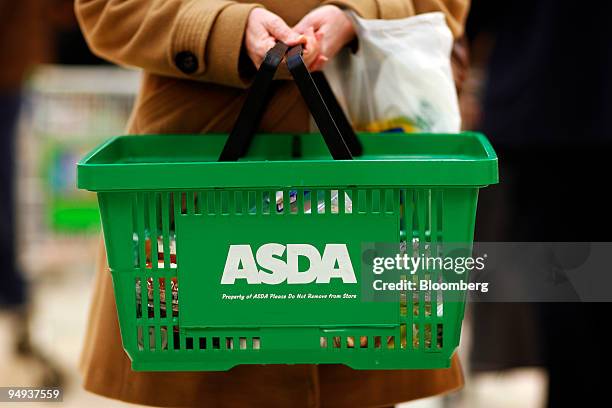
<point x="273" y="264"/>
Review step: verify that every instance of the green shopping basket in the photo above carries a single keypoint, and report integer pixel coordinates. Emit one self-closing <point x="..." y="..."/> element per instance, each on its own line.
<point x="249" y="249"/>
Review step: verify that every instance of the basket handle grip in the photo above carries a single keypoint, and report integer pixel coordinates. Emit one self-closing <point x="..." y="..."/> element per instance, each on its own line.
<point x="336" y="129"/>
<point x="256" y="101"/>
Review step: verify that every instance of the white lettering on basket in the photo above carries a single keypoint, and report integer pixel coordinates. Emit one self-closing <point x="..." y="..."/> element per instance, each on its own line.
<point x="276" y="263"/>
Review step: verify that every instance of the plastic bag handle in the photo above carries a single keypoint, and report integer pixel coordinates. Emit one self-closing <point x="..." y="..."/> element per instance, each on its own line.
<point x="324" y="107"/>
<point x="257" y="99"/>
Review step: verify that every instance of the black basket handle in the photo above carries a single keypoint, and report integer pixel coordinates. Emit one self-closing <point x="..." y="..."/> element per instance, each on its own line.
<point x="337" y="132"/>
<point x="324" y="107"/>
<point x="256" y="101"/>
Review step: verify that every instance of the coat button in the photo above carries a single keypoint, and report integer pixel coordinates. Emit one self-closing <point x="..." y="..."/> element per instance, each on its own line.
<point x="186" y="62"/>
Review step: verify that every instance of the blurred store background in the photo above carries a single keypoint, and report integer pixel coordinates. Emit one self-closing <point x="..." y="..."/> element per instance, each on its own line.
<point x="69" y="101"/>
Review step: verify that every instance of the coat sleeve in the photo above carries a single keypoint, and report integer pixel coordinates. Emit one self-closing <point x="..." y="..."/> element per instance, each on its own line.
<point x="455" y="10"/>
<point x="177" y="38"/>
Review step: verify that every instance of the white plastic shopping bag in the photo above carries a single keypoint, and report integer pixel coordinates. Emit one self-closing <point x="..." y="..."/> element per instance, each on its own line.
<point x="400" y="78"/>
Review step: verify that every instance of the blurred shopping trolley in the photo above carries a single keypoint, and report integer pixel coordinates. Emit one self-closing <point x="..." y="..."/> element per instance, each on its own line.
<point x="241" y="249"/>
<point x="68" y="109"/>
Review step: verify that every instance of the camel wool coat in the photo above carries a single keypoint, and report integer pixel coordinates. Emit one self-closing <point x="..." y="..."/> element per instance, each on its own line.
<point x="195" y="76"/>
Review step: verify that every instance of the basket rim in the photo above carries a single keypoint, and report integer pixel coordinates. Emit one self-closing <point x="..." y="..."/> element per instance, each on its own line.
<point x="469" y="161"/>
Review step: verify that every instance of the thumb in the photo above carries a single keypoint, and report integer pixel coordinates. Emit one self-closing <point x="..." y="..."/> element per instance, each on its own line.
<point x="281" y="31"/>
<point x="302" y="26"/>
<point x="307" y="22"/>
